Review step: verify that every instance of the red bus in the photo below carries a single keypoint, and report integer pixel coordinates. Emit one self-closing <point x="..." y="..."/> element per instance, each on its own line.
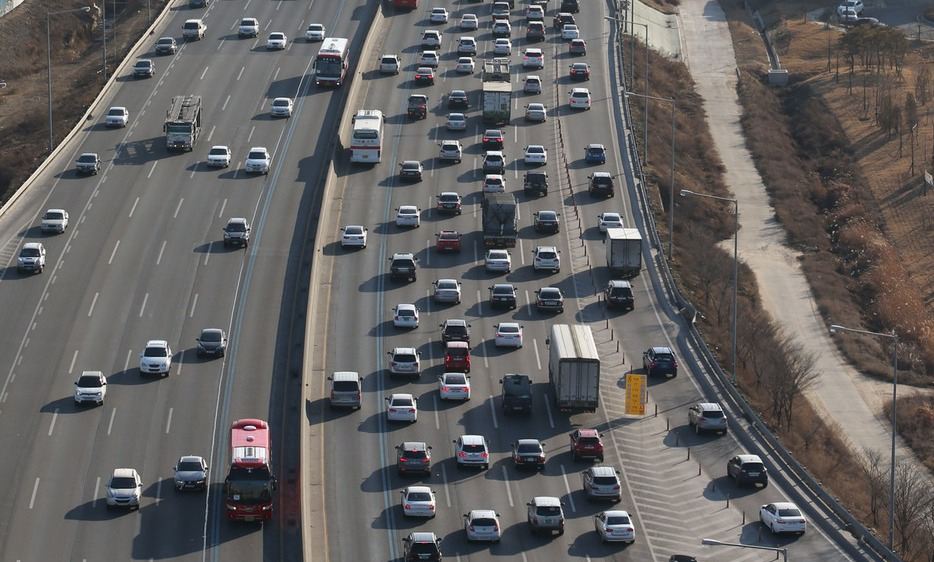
<point x="249" y="485"/>
<point x="331" y="62"/>
<point x="405" y="4"/>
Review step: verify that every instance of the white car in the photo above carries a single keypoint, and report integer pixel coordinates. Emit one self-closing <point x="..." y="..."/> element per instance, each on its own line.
<point x="91" y="386"/>
<point x="783" y="517"/>
<point x="54" y="220"/>
<point x="353" y="235"/>
<point x="570" y="31"/>
<point x="546" y="258"/>
<point x="535" y="154"/>
<point x="536" y="112"/>
<point x="454" y="386"/>
<point x="405" y="361"/>
<point x="281" y="107"/>
<point x="31" y="257"/>
<point x="502" y="47"/>
<point x="315" y="32"/>
<point x="402" y="407"/>
<point x="389" y="64"/>
<point x="502" y="28"/>
<point x="438" y="15"/>
<point x="614" y="526"/>
<point x="156" y="358"/>
<point x="532" y="84"/>
<point x="508" y="334"/>
<point x="850" y="6"/>
<point x="257" y="160"/>
<point x="466" y="46"/>
<point x="494" y="183"/>
<point x="451" y="150"/>
<point x="249" y="27"/>
<point x="418" y="501"/>
<point x="408" y="215"/>
<point x="469" y="22"/>
<point x="117" y="117"/>
<point x="219" y="156"/>
<point x="465" y="65"/>
<point x="405" y="316"/>
<point x="124" y="489"/>
<point x="533" y="58"/>
<point x="535" y="13"/>
<point x="429" y="59"/>
<point x="579" y="98"/>
<point x="482" y="525"/>
<point x="276" y="40"/>
<point x="498" y="260"/>
<point x="447" y="290"/>
<point x="431" y="39"/>
<point x="609" y="220"/>
<point x="457" y="122"/>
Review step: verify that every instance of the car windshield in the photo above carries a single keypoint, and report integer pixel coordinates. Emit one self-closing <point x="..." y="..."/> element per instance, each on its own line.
<point x="54" y="215"/>
<point x="789" y="512"/>
<point x="548" y="510"/>
<point x="406" y="312"/>
<point x="403" y="263"/>
<point x="315" y="27"/>
<point x="211" y="336"/>
<point x="713" y="414"/>
<point x="117" y="112"/>
<point x="328" y="67"/>
<point x="256" y="155"/>
<point x="30" y="253"/>
<point x="218" y="152"/>
<point x="550" y="294"/>
<point x="236" y="227"/>
<point x="407" y="211"/>
<point x="418" y="497"/>
<point x="483" y="522"/>
<point x="547" y="216"/>
<point x="165" y="41"/>
<point x="447" y="284"/>
<point x="502" y="290"/>
<point x="604" y="480"/>
<point x="122" y="482"/>
<point x="410" y="166"/>
<point x="389" y="60"/>
<point x="155" y="352"/>
<point x="588" y="440"/>
<point x="143" y="64"/>
<point x="402" y="402"/>
<point x="281" y="103"/>
<point x="509" y="329"/>
<point x="663" y="357"/>
<point x="415" y="454"/>
<point x="753" y="466"/>
<point x="546" y="255"/>
<point x="247" y="22"/>
<point x="90" y="381"/>
<point x="499" y="255"/>
<point x="345" y="386"/>
<point x="353" y="230"/>
<point x="190" y="466"/>
<point x="455" y="330"/>
<point x="474" y="448"/>
<point x="455" y="379"/>
<point x="529" y="448"/>
<point x="275" y="36"/>
<point x="620" y="292"/>
<point x="424" y="548"/>
<point x="404" y="358"/>
<point x="617" y="520"/>
<point x="249" y="486"/>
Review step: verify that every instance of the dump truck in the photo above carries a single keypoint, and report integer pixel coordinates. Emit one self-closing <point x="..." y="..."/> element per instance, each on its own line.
<point x="497" y="92"/>
<point x="182" y="123"/>
<point x="500" y="221"/>
<point x="624" y="251"/>
<point x="574" y="368"/>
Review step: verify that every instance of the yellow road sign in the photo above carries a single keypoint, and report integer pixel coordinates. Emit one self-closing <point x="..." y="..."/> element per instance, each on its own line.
<point x="635" y="394"/>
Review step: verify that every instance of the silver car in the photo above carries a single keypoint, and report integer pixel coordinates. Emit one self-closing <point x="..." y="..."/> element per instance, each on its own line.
<point x="191" y="473"/>
<point x="601" y="482"/>
<point x="457" y="122"/>
<point x="707" y="416"/>
<point x="447" y="290"/>
<point x="482" y="525"/>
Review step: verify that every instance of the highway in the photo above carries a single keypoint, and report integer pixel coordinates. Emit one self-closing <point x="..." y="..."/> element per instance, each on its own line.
<point x="143" y="259"/>
<point x="673" y="481"/>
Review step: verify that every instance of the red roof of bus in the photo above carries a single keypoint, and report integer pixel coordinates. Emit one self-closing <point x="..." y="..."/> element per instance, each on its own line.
<point x="249" y="443"/>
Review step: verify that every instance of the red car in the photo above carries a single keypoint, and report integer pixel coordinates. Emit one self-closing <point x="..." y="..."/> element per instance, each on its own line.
<point x="457" y="356"/>
<point x="586" y="444"/>
<point x="448" y="241"/>
<point x="580" y="71"/>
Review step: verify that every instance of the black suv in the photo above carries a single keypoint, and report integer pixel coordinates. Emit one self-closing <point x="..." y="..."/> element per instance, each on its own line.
<point x="546" y="221"/>
<point x="458" y="99"/>
<point x="535" y="182"/>
<point x="517" y="393"/>
<point x="659" y="360"/>
<point x="747" y="469"/>
<point x="503" y="295"/>
<point x="402" y="266"/>
<point x="601" y="183"/>
<point x="413" y="456"/>
<point x="562" y="19"/>
<point x="619" y="294"/>
<point x="455" y="329"/>
<point x="535" y="31"/>
<point x="571" y="6"/>
<point x="421" y="546"/>
<point x="549" y="298"/>
<point x="417" y="106"/>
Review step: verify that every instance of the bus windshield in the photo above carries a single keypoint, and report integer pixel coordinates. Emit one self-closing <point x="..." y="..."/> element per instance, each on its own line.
<point x="328" y="67"/>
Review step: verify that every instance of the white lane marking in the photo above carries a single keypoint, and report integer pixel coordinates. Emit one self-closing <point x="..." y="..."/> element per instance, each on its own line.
<point x="427" y="303"/>
<point x="93" y="302"/>
<point x="434" y="399"/>
<point x="74" y="357"/>
<point x="276" y="75"/>
<point x="240" y="74"/>
<point x="97" y="489"/>
<point x="207" y="255"/>
<point x="133" y="208"/>
<point x="143" y="307"/>
<point x="54" y="278"/>
<point x="203" y="72"/>
<point x="110" y="424"/>
<point x="538" y="360"/>
<point x="428" y="252"/>
<point x="567" y="487"/>
<point x="508" y="490"/>
<point x="551" y="420"/>
<point x="211" y="134"/>
<point x="178" y="208"/>
<point x="54" y="419"/>
<point x="250" y="136"/>
<point x="181" y="363"/>
<point x="194" y="303"/>
<point x="126" y="364"/>
<point x="35" y="488"/>
<point x="168" y="422"/>
<point x="223" y="206"/>
<point x="226" y="101"/>
<point x="158" y="490"/>
<point x="521" y="249"/>
<point x="149" y="175"/>
<point x="161" y="251"/>
<point x="113" y="253"/>
<point x="26" y="343"/>
<point x="479" y="305"/>
<point x="444" y="480"/>
<point x="493" y="413"/>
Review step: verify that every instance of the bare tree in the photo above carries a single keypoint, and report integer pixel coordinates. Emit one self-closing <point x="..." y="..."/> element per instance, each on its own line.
<point x="791" y="374"/>
<point x="922" y="84"/>
<point x="873" y="469"/>
<point x="758" y="333"/>
<point x="913" y="497"/>
<point x="911" y="111"/>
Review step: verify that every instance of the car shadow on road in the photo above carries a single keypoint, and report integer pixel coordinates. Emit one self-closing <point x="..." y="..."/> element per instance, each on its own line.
<point x="133" y="377"/>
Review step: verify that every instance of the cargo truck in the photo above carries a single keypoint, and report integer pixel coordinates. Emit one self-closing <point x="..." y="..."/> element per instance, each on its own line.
<point x="182" y="122"/>
<point x="574" y="368"/>
<point x="497" y="92"/>
<point x="624" y="251"/>
<point x="500" y="222"/>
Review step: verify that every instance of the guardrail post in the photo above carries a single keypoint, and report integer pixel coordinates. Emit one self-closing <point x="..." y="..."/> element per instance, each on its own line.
<point x="667" y="420"/>
<point x="656" y="411"/>
<point x="744" y="517"/>
<point x="699" y="473"/>
<point x="689" y="453"/>
<point x="728" y="501"/>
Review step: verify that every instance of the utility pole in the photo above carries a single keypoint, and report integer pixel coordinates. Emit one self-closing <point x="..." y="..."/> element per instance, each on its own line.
<point x="104" y="33"/>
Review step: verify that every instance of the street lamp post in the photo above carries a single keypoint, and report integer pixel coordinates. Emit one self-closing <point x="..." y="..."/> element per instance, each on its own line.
<point x="632" y="82"/>
<point x="712" y="542"/>
<point x="834" y="328"/>
<point x="735" y="202"/>
<point x="671" y="190"/>
<point x="48" y="53"/>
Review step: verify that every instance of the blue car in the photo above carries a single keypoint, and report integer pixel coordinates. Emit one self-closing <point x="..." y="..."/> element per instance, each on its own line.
<point x="595" y="154"/>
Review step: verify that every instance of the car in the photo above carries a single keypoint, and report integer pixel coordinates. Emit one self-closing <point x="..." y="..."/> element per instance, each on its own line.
<point x="528" y="453"/>
<point x="191" y="473"/>
<point x="614" y="526"/>
<point x="156" y="358"/>
<point x="454" y="386"/>
<point x="535" y="182"/>
<point x="249" y="27"/>
<point x="457" y="356"/>
<point x="595" y="154"/>
<point x="570" y="31"/>
<point x="707" y="416"/>
<point x="405" y="316"/>
<point x="144" y="68"/>
<point x="455" y="329"/>
<point x="546" y="258"/>
<point x="448" y="241"/>
<point x="237" y="232"/>
<point x="482" y="525"/>
<point x="438" y="15"/>
<point x="315" y="32"/>
<point x="497" y="260"/>
<point x="546" y="221"/>
<point x="458" y="99"/>
<point x="193" y="29"/>
<point x="535" y="13"/>
<point x="535" y="154"/>
<point x="91" y="386"/>
<point x="402" y="265"/>
<point x="457" y="122"/>
<point x="508" y="334"/>
<point x="545" y="513"/>
<point x="117" y="117"/>
<point x="493" y="138"/>
<point x="609" y="220"/>
<point x="849" y="17"/>
<point x="536" y="112"/>
<point x="411" y="170"/>
<point x="533" y="58"/>
<point x="281" y="107"/>
<point x="532" y="85"/>
<point x="516" y="393"/>
<point x="219" y="156"/>
<point x="503" y="295"/>
<point x="447" y="290"/>
<point x="389" y="64"/>
<point x="54" y="221"/>
<point x="166" y="46"/>
<point x="550" y="299"/>
<point x="494" y="162"/>
<point x="353" y="236"/>
<point x="277" y="41"/>
<point x="212" y="342"/>
<point x="124" y="488"/>
<point x="429" y="59"/>
<point x="404" y="361"/>
<point x="449" y="202"/>
<point x="782" y="517"/>
<point x="586" y="444"/>
<point x="408" y="215"/>
<point x="451" y="150"/>
<point x="346" y="390"/>
<point x="467" y="46"/>
<point x="494" y="183"/>
<point x="747" y="469"/>
<point x="600" y="482"/>
<point x="419" y="546"/>
<point x="413" y="456"/>
<point x="618" y="293"/>
<point x="577" y="47"/>
<point x="570" y="6"/>
<point x="500" y="10"/>
<point x="659" y="360"/>
<point x="502" y="28"/>
<point x="401" y="407"/>
<point x="431" y="39"/>
<point x="258" y="160"/>
<point x="561" y="19"/>
<point x="469" y="22"/>
<point x="465" y="65"/>
<point x="579" y="98"/>
<point x="31" y="258"/>
<point x="471" y="450"/>
<point x="417" y="106"/>
<point x="424" y="75"/>
<point x="850" y="5"/>
<point x="418" y="501"/>
<point x="579" y="71"/>
<point x="502" y="47"/>
<point x="601" y="183"/>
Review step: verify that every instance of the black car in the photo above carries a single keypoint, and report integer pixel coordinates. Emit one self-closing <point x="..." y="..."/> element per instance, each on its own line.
<point x="493" y="139"/>
<point x="410" y="170"/>
<point x="420" y="546"/>
<point x="571" y="6"/>
<point x="455" y="329"/>
<point x="546" y="221"/>
<point x="417" y="106"/>
<point x="747" y="469"/>
<point x="535" y="31"/>
<point x="535" y="182"/>
<point x="601" y="183"/>
<point x="528" y="453"/>
<point x="517" y="393"/>
<point x="659" y="360"/>
<point x="413" y="456"/>
<point x="457" y="99"/>
<point x="549" y="298"/>
<point x="562" y="19"/>
<point x="402" y="266"/>
<point x="618" y="293"/>
<point x="212" y="341"/>
<point x="503" y="295"/>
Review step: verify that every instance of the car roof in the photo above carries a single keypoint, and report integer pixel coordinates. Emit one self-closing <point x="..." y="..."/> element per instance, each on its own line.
<point x="263" y="148"/>
<point x="411" y="163"/>
<point x="423" y="536"/>
<point x="550" y="290"/>
<point x="282" y="99"/>
<point x="408" y="208"/>
<point x="617" y="283"/>
<point x="662" y="349"/>
<point x="528" y="442"/>
<point x="546" y="248"/>
<point x="482" y="514"/>
<point x="124" y="472"/>
<point x="400" y="396"/>
<point x="546" y="501"/>
<point x="236" y="220"/>
<point x="403" y="256"/>
<point x="533" y="77"/>
<point x="602" y="175"/>
<point x="603" y="471"/>
<point x="533" y="51"/>
<point x="443" y="193"/>
<point x="457" y="345"/>
<point x="509" y="325"/>
<point x="414" y="446"/>
<point x="345" y="376"/>
<point x="473" y="440"/>
<point x="212" y="331"/>
<point x="616" y="513"/>
<point x="448" y="279"/>
<point x="580" y="90"/>
<point x="596" y="146"/>
<point x="709" y="406"/>
<point x="424" y="489"/>
<point x="503" y="286"/>
<point x="157" y="343"/>
<point x="32" y="245"/>
<point x="784" y="505"/>
<point x="405" y="307"/>
<point x="403" y="350"/>
<point x="455" y="322"/>
<point x="749" y="458"/>
<point x="191" y="458"/>
<point x="588" y="433"/>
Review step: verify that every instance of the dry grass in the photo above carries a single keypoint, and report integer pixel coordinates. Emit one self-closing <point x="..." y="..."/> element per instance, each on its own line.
<point x="915" y="420"/>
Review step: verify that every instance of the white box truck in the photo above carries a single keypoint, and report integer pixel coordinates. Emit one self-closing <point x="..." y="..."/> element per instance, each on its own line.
<point x="624" y="251"/>
<point x="574" y="368"/>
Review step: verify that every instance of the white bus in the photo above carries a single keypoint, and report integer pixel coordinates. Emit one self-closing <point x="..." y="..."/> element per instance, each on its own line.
<point x="331" y="62"/>
<point x="366" y="141"/>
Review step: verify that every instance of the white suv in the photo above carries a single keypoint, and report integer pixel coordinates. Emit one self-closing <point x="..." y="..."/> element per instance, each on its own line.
<point x="219" y="156"/>
<point x="579" y="98"/>
<point x="91" y="386"/>
<point x="55" y="220"/>
<point x="31" y="257"/>
<point x="471" y="450"/>
<point x="117" y="117"/>
<point x="546" y="258"/>
<point x="257" y="160"/>
<point x="124" y="489"/>
<point x="156" y="359"/>
<point x="405" y="361"/>
<point x="249" y="27"/>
